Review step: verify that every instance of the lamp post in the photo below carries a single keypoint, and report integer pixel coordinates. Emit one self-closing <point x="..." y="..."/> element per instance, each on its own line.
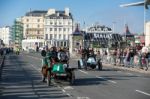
<point x="114" y="26"/>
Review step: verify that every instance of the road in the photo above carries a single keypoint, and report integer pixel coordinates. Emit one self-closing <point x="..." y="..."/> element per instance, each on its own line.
<point x="21" y="79"/>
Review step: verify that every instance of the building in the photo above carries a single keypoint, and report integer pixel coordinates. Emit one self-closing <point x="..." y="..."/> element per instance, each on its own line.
<point x="33" y="29"/>
<point x="6" y="35"/>
<point x="147" y="34"/>
<point x="98" y="36"/>
<point x="17" y="30"/>
<point x="58" y="26"/>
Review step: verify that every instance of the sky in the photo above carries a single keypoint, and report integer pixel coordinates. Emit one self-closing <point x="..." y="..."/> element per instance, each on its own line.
<point x="104" y="12"/>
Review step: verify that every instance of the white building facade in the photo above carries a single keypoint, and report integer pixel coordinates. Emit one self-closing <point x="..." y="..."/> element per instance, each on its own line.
<point x="147" y="34"/>
<point x="6" y="35"/>
<point x="33" y="29"/>
<point x="58" y="25"/>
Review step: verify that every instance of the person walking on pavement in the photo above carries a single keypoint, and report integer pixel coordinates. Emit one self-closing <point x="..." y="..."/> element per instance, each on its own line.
<point x="44" y="65"/>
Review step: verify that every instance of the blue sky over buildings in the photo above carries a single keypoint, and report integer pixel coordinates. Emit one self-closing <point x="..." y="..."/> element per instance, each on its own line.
<point x="104" y="12"/>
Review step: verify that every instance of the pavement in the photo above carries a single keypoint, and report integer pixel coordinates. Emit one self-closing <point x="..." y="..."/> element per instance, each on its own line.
<point x="135" y="69"/>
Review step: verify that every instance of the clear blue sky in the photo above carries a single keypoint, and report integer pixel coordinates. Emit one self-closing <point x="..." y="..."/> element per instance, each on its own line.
<point x="104" y="12"/>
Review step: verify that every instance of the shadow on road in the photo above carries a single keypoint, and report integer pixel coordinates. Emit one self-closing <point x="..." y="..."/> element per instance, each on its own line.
<point x="88" y="81"/>
<point x="20" y="81"/>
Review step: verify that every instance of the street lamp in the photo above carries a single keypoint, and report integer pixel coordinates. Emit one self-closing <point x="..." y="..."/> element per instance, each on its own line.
<point x="114" y="26"/>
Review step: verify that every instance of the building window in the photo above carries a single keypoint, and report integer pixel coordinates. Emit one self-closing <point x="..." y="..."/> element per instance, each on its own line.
<point x="27" y="20"/>
<point x="51" y="29"/>
<point x="51" y="23"/>
<point x="55" y="29"/>
<point x="55" y="23"/>
<point x="65" y="44"/>
<point x="64" y="36"/>
<point x="27" y="25"/>
<point x="64" y="29"/>
<point x="51" y="36"/>
<point x="46" y="36"/>
<point x="61" y="43"/>
<point x="59" y="36"/>
<point x="38" y="32"/>
<point x="38" y="25"/>
<point x="55" y="36"/>
<point x="69" y="23"/>
<point x="60" y="29"/>
<point x="38" y="20"/>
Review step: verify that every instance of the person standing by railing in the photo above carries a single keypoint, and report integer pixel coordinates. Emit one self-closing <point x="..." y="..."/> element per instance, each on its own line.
<point x="136" y="59"/>
<point x="131" y="58"/>
<point x="127" y="58"/>
<point x="114" y="56"/>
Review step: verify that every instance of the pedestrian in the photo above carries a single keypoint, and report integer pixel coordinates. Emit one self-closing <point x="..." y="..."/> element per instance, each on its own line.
<point x="140" y="59"/>
<point x="144" y="62"/>
<point x="136" y="59"/>
<point x="44" y="68"/>
<point x="43" y="52"/>
<point x="114" y="56"/>
<point x="45" y="63"/>
<point x="147" y="62"/>
<point x="131" y="58"/>
<point x="127" y="58"/>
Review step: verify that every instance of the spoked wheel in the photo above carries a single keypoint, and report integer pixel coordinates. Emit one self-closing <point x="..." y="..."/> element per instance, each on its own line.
<point x="72" y="78"/>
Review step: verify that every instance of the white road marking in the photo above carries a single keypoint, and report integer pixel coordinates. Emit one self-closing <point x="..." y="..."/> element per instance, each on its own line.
<point x="38" y="69"/>
<point x="106" y="79"/>
<point x="142" y="92"/>
<point x="68" y="94"/>
<point x="129" y="73"/>
<point x="68" y="88"/>
<point x="83" y="98"/>
<point x="58" y="86"/>
<point x="83" y="72"/>
<point x="112" y="81"/>
<point x="63" y="90"/>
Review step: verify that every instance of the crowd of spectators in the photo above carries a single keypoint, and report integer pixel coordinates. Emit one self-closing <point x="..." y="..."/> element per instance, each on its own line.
<point x="128" y="57"/>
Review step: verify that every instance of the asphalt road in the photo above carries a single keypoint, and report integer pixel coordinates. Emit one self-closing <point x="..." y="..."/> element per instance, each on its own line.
<point x="21" y="79"/>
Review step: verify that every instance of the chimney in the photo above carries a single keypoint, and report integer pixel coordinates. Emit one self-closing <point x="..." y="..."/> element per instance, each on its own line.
<point x="51" y="11"/>
<point x="67" y="11"/>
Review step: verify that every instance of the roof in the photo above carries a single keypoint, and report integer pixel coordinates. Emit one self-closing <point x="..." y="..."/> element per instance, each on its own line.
<point x="61" y="15"/>
<point x="99" y="28"/>
<point x="36" y="13"/>
<point x="77" y="31"/>
<point x="103" y="37"/>
<point x="43" y="13"/>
